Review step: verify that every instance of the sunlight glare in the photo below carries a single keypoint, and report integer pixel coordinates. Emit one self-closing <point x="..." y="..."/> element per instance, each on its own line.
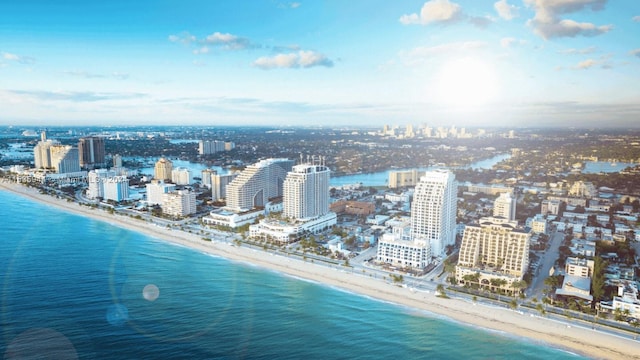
<point x="466" y="82"/>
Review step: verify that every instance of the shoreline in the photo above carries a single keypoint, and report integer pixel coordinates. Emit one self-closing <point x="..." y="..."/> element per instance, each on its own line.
<point x="572" y="338"/>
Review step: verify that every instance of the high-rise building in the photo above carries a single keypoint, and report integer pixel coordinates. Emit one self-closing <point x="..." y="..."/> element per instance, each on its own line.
<point x="207" y="147"/>
<point x="181" y="176"/>
<point x="219" y="185"/>
<point x="162" y="170"/>
<point x="64" y="159"/>
<point x="116" y="188"/>
<point x="179" y="203"/>
<point x="306" y="192"/>
<point x="505" y="206"/>
<point x="156" y="189"/>
<point x="257" y="183"/>
<point x="433" y="211"/>
<point x="117" y="161"/>
<point x="91" y="152"/>
<point x="398" y="179"/>
<point x="496" y="249"/>
<point x="97" y="178"/>
<point x="205" y="176"/>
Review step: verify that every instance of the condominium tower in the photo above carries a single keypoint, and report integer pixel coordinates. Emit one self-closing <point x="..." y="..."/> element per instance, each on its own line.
<point x="505" y="206"/>
<point x="91" y="152"/>
<point x="433" y="211"/>
<point x="306" y="192"/>
<point x="257" y="184"/>
<point x="163" y="168"/>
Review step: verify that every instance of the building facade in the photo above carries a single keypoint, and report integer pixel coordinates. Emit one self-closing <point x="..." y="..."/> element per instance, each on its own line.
<point x="257" y="183"/>
<point x="179" y="203"/>
<point x="496" y="249"/>
<point x="91" y="152"/>
<point x="64" y="159"/>
<point x="156" y="189"/>
<point x="433" y="211"/>
<point x="306" y="192"/>
<point x="162" y="169"/>
<point x="505" y="206"/>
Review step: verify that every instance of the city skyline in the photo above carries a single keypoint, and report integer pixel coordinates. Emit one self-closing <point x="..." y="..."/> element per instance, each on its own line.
<point x="494" y="63"/>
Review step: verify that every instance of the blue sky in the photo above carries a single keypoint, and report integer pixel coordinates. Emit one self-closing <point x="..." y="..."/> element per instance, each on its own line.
<point x="479" y="63"/>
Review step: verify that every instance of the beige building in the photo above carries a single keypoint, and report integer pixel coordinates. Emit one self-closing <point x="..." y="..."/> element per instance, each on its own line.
<point x="505" y="206"/>
<point x="162" y="170"/>
<point x="179" y="203"/>
<point x="398" y="179"/>
<point x="496" y="249"/>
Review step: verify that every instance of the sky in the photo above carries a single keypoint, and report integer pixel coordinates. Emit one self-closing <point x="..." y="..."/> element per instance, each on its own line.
<point x="474" y="63"/>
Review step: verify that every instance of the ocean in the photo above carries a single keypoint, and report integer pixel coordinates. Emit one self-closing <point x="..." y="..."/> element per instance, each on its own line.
<point x="72" y="287"/>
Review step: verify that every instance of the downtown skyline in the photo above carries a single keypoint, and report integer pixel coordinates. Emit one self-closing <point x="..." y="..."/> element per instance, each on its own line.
<point x="471" y="63"/>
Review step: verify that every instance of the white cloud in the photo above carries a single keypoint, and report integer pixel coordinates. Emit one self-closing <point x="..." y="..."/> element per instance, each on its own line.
<point x="511" y="42"/>
<point x="18" y="58"/>
<point x="636" y="18"/>
<point x="587" y="50"/>
<point x="228" y="41"/>
<point x="603" y="62"/>
<point x="505" y="10"/>
<point x="481" y="21"/>
<point x="300" y="59"/>
<point x="635" y="52"/>
<point x="548" y="24"/>
<point x="434" y="11"/>
<point x="183" y="38"/>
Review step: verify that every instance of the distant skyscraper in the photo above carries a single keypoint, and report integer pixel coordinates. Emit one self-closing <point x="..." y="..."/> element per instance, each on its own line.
<point x="91" y="151"/>
<point x="117" y="161"/>
<point x="181" y="176"/>
<point x="163" y="168"/>
<point x="433" y="212"/>
<point x="257" y="183"/>
<point x="207" y="147"/>
<point x="505" y="206"/>
<point x="64" y="159"/>
<point x="306" y="192"/>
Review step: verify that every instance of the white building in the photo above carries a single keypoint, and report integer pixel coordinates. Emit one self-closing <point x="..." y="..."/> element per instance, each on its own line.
<point x="156" y="189"/>
<point x="398" y="249"/>
<point x="181" y="176"/>
<point x="433" y="211"/>
<point x="256" y="184"/>
<point x="219" y="185"/>
<point x="116" y="188"/>
<point x="306" y="192"/>
<point x="206" y="176"/>
<point x="505" y="206"/>
<point x="64" y="159"/>
<point x="97" y="178"/>
<point x="179" y="203"/>
<point x="207" y="147"/>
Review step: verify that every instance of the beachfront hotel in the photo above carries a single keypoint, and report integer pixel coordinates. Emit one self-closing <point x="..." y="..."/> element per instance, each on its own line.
<point x="162" y="169"/>
<point x="219" y="184"/>
<point x="305" y="205"/>
<point x="257" y="184"/>
<point x="433" y="211"/>
<point x="432" y="227"/>
<point x="64" y="159"/>
<point x="496" y="250"/>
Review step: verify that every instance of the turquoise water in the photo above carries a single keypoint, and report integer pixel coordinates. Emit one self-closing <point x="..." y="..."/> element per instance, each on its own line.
<point x="71" y="286"/>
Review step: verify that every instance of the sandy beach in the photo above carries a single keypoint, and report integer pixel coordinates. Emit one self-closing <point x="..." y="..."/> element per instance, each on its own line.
<point x="582" y="340"/>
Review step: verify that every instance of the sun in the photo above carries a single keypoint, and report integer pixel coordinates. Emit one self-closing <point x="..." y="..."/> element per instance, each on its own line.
<point x="466" y="82"/>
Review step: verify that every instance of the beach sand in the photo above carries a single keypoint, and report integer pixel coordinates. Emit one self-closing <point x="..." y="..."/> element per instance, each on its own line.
<point x="572" y="337"/>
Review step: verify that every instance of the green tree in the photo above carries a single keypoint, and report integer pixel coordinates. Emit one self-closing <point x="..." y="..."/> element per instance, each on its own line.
<point x="598" y="280"/>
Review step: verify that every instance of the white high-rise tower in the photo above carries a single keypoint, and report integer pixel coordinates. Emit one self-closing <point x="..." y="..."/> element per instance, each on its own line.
<point x="306" y="192"/>
<point x="505" y="206"/>
<point x="433" y="211"/>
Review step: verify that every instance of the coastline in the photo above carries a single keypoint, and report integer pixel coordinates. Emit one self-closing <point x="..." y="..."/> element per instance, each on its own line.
<point x="588" y="342"/>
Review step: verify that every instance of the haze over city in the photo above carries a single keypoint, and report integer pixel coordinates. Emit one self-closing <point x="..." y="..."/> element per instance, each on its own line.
<point x="485" y="63"/>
